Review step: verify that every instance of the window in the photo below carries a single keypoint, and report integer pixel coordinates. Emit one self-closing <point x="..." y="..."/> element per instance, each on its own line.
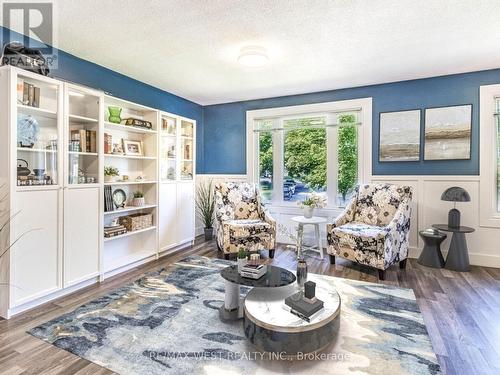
<point x="304" y="157"/>
<point x="299" y="152"/>
<point x="489" y="156"/>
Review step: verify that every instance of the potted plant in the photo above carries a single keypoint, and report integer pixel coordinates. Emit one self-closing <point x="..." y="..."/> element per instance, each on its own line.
<point x="205" y="207"/>
<point x="242" y="258"/>
<point x="138" y="200"/>
<point x="311" y="202"/>
<point x="111" y="174"/>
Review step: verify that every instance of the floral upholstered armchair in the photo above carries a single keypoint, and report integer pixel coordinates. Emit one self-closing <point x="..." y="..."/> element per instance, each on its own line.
<point x="374" y="228"/>
<point x="241" y="221"/>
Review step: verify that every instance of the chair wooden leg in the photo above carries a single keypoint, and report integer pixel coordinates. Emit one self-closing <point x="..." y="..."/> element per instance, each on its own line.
<point x="402" y="264"/>
<point x="332" y="259"/>
<point x="271" y="254"/>
<point x="381" y="274"/>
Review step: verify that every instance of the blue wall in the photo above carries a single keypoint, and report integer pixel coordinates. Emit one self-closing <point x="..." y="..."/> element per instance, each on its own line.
<point x="74" y="69"/>
<point x="225" y="128"/>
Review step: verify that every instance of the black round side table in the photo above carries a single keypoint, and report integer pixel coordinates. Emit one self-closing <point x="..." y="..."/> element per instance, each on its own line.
<point x="458" y="254"/>
<point x="431" y="255"/>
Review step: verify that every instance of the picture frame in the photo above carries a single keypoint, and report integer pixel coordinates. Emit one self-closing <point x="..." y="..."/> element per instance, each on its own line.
<point x="448" y="132"/>
<point x="399" y="135"/>
<point x="132" y="148"/>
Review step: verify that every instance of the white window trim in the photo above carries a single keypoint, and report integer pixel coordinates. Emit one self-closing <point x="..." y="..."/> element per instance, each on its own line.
<point x="488" y="212"/>
<point x="363" y="105"/>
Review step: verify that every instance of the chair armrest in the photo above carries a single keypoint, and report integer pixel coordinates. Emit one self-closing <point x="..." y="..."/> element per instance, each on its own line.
<point x="266" y="216"/>
<point x="345" y="217"/>
<point x="401" y="221"/>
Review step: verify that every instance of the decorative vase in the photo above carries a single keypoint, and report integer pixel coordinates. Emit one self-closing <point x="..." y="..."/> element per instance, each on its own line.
<point x="301" y="272"/>
<point x="138" y="202"/>
<point x="308" y="212"/>
<point x="209" y="234"/>
<point x="241" y="263"/>
<point x="114" y="115"/>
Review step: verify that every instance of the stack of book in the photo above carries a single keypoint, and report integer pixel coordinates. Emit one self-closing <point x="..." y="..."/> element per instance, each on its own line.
<point x="253" y="271"/>
<point x="28" y="94"/>
<point x="86" y="138"/>
<point x="114" y="230"/>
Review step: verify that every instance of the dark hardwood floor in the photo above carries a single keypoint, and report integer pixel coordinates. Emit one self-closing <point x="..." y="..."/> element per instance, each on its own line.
<point x="461" y="311"/>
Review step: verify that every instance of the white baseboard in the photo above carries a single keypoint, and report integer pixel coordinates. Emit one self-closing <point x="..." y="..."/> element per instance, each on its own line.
<point x="52" y="296"/>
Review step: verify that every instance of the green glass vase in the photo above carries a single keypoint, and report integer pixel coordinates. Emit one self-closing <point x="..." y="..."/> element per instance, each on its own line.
<point x="114" y="115"/>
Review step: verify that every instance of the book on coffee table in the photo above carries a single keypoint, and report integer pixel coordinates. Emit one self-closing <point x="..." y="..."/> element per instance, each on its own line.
<point x="298" y="304"/>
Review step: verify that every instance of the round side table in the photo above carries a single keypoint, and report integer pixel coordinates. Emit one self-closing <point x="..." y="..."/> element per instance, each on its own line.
<point x="458" y="254"/>
<point x="315" y="221"/>
<point x="431" y="255"/>
<point x="232" y="309"/>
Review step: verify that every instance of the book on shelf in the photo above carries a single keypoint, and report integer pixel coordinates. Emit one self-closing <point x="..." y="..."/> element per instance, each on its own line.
<point x="108" y="199"/>
<point x="26" y="95"/>
<point x="36" y="97"/>
<point x="83" y="140"/>
<point x="87" y="141"/>
<point x="93" y="141"/>
<point x="108" y="143"/>
<point x="31" y="95"/>
<point x="86" y="138"/>
<point x="20" y="90"/>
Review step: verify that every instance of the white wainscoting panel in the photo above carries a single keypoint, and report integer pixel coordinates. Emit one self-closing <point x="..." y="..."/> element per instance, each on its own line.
<point x="428" y="209"/>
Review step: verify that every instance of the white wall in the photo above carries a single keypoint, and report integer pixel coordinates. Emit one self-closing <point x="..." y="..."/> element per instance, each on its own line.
<point x="428" y="209"/>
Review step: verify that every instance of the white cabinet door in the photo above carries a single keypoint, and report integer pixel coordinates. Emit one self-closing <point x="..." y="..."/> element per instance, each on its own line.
<point x="81" y="235"/>
<point x="168" y="220"/>
<point x="36" y="261"/>
<point x="185" y="211"/>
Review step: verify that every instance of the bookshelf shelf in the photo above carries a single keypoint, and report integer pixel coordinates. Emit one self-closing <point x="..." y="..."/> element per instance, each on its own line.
<point x="82" y="119"/>
<point x="130" y="183"/>
<point x="128" y="259"/>
<point x="25" y="149"/>
<point x="112" y="126"/>
<point x="36" y="111"/>
<point x="130" y="157"/>
<point x="130" y="209"/>
<point x="83" y="153"/>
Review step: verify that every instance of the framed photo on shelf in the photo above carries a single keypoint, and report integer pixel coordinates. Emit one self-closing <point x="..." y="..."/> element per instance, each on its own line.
<point x="400" y="136"/>
<point x="448" y="132"/>
<point x="132" y="148"/>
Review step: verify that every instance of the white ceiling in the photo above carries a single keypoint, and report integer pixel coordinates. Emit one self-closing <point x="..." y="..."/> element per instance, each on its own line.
<point x="190" y="47"/>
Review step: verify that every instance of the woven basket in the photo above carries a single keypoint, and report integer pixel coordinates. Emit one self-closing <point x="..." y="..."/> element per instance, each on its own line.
<point x="136" y="221"/>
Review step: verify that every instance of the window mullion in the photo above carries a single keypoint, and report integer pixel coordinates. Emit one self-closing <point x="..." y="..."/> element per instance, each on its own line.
<point x="278" y="162"/>
<point x="332" y="165"/>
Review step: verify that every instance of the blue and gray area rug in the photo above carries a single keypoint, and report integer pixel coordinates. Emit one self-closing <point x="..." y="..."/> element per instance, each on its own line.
<point x="167" y="323"/>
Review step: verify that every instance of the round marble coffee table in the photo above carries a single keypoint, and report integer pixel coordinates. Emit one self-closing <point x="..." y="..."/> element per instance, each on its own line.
<point x="232" y="309"/>
<point x="271" y="328"/>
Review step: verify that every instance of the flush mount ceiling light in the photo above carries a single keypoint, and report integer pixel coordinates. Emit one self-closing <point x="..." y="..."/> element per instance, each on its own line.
<point x="253" y="56"/>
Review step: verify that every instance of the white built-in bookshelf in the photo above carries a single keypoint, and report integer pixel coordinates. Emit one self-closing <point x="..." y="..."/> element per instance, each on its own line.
<point x="53" y="157"/>
<point x="137" y="173"/>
